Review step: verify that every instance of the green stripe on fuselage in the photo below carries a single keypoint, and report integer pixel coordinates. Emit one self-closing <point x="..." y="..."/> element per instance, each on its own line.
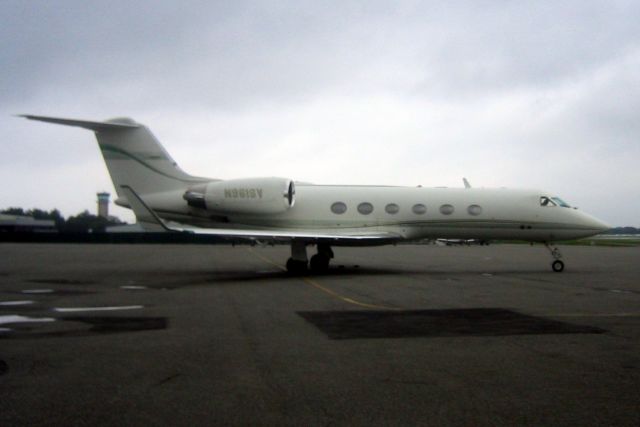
<point x="110" y="152"/>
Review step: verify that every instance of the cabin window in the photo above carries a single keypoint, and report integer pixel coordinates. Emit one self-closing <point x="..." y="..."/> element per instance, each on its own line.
<point x="446" y="209"/>
<point x="365" y="208"/>
<point x="419" y="209"/>
<point x="392" y="208"/>
<point x="338" y="208"/>
<point x="474" y="210"/>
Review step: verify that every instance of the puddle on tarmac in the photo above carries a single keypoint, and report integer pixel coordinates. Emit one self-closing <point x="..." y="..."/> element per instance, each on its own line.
<point x="437" y="323"/>
<point x="16" y="318"/>
<point x="82" y="326"/>
<point x="120" y="324"/>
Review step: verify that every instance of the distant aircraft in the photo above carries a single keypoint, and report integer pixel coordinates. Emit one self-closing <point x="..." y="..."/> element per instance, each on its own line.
<point x="281" y="210"/>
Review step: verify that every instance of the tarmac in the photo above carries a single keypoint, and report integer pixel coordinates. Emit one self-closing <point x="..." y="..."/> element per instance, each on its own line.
<point x="104" y="334"/>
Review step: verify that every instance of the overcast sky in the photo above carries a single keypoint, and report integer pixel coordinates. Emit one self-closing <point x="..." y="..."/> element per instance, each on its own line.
<point x="505" y="93"/>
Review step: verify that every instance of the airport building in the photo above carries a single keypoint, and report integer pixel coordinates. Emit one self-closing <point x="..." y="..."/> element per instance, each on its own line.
<point x="21" y="223"/>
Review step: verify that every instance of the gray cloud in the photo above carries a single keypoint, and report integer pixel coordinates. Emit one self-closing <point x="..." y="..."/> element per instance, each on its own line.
<point x="534" y="94"/>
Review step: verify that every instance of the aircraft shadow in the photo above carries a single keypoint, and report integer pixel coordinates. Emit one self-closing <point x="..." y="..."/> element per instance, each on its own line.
<point x="221" y="277"/>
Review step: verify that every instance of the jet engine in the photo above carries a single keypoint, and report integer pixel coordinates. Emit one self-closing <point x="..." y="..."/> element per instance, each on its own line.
<point x="243" y="196"/>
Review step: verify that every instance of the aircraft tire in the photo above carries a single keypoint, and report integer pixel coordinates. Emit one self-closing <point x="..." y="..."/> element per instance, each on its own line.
<point x="557" y="266"/>
<point x="295" y="266"/>
<point x="319" y="263"/>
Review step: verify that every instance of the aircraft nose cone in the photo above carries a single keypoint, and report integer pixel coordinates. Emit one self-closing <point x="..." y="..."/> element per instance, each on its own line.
<point x="599" y="226"/>
<point x="590" y="224"/>
<point x="602" y="226"/>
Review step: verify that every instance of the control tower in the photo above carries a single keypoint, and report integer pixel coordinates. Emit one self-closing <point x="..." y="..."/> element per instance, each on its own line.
<point x="103" y="204"/>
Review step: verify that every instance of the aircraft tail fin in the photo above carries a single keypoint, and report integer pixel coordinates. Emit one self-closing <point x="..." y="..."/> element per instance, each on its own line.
<point x="134" y="157"/>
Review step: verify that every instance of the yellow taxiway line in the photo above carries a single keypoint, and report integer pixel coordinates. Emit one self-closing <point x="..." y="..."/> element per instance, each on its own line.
<point x="315" y="284"/>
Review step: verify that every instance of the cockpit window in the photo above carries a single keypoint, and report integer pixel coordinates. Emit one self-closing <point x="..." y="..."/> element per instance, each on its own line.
<point x="561" y="202"/>
<point x="553" y="201"/>
<point x="546" y="202"/>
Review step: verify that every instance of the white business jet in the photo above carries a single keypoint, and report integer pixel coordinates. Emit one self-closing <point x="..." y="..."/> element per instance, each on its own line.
<point x="280" y="210"/>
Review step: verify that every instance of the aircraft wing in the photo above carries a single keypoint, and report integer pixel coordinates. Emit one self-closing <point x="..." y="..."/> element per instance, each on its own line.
<point x="286" y="236"/>
<point x="150" y="221"/>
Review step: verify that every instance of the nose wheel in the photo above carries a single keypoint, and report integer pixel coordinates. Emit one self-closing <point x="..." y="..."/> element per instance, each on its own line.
<point x="557" y="265"/>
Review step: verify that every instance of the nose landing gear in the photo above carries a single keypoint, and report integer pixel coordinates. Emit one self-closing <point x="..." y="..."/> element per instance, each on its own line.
<point x="557" y="265"/>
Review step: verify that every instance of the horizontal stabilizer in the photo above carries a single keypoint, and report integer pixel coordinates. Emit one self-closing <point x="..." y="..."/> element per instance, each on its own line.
<point x="94" y="126"/>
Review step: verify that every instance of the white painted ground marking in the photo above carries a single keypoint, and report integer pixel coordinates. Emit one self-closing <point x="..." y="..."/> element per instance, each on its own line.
<point x="14" y="318"/>
<point x="14" y="303"/>
<point x="132" y="287"/>
<point x="37" y="291"/>
<point x="81" y="309"/>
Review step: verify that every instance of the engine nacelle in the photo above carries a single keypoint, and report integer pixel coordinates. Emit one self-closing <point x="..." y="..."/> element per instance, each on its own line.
<point x="243" y="196"/>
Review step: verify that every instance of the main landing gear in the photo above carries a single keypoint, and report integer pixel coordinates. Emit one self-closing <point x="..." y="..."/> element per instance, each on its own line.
<point x="557" y="265"/>
<point x="319" y="262"/>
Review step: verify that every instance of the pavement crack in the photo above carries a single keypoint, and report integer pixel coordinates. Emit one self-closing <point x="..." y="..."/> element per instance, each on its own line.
<point x="408" y="382"/>
<point x="167" y="379"/>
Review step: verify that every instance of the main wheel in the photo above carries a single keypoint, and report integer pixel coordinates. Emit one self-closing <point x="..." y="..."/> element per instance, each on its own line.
<point x="295" y="266"/>
<point x="557" y="266"/>
<point x="319" y="263"/>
